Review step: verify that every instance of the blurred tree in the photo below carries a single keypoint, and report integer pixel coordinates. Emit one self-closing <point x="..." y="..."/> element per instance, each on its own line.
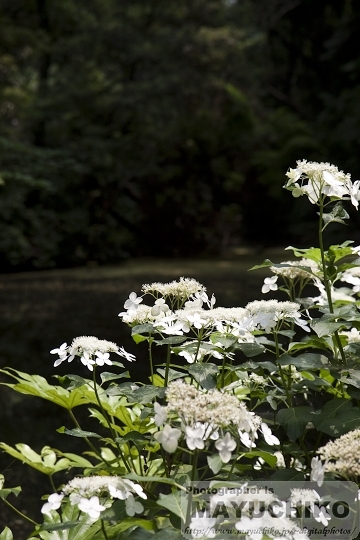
<point x="151" y="128"/>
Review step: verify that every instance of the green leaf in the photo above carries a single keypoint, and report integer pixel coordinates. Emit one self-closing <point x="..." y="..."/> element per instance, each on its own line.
<point x="204" y="374"/>
<point x="146" y="394"/>
<point x="265" y="264"/>
<point x="250" y="349"/>
<point x="172" y="340"/>
<point x="288" y="475"/>
<point x="5" y="492"/>
<point x="337" y="214"/>
<point x="304" y="362"/>
<point x="173" y="374"/>
<point x="6" y="534"/>
<point x="138" y="338"/>
<point x="70" y="382"/>
<point x="123" y="389"/>
<point x="215" y="463"/>
<point x="175" y="502"/>
<point x="38" y="386"/>
<point x="45" y="462"/>
<point x="107" y="376"/>
<point x="270" y="459"/>
<point x="323" y="328"/>
<point x="226" y="341"/>
<point x="337" y="417"/>
<point x="267" y="366"/>
<point x="146" y="328"/>
<point x="76" y="432"/>
<point x="294" y="420"/>
<point x="310" y="253"/>
<point x="312" y="343"/>
<point x="58" y="526"/>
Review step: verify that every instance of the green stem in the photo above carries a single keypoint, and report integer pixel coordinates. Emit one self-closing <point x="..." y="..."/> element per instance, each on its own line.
<point x="106" y="417"/>
<point x="89" y="443"/>
<point x="167" y="367"/>
<point x="327" y="281"/>
<point x="151" y="359"/>
<point x="193" y="475"/>
<point x="104" y="530"/>
<point x="281" y="371"/>
<point x="20" y="513"/>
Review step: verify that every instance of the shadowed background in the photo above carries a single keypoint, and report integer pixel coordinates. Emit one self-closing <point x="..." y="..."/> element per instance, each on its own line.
<point x="161" y="129"/>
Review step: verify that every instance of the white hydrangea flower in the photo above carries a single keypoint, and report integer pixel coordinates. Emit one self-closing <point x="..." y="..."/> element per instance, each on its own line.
<point x="269" y="284"/>
<point x="317" y="179"/>
<point x="195" y="437"/>
<point x="63" y="352"/>
<point x="202" y="526"/>
<point x="168" y="438"/>
<point x="317" y="471"/>
<point x="270" y="439"/>
<point x="132" y="303"/>
<point x="54" y="502"/>
<point x="225" y="446"/>
<point x="133" y="507"/>
<point x="352" y="276"/>
<point x="91" y="507"/>
<point x="181" y="290"/>
<point x="160" y="414"/>
<point x="91" y="351"/>
<point x="159" y="307"/>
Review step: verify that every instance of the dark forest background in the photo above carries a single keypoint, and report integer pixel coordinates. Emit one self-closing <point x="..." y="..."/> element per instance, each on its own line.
<point x="165" y="127"/>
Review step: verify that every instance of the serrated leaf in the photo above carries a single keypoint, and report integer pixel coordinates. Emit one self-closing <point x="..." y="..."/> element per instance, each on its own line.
<point x="268" y="366"/>
<point x="138" y="338"/>
<point x="35" y="385"/>
<point x="288" y="475"/>
<point x="146" y="328"/>
<point x="172" y="375"/>
<point x="146" y="394"/>
<point x="5" y="492"/>
<point x="226" y="341"/>
<point x="264" y="264"/>
<point x="304" y="362"/>
<point x="172" y="340"/>
<point x="337" y="417"/>
<point x="270" y="459"/>
<point x="323" y="328"/>
<point x="6" y="534"/>
<point x="175" y="502"/>
<point x="123" y="389"/>
<point x="58" y="526"/>
<point x="107" y="376"/>
<point x="76" y="432"/>
<point x="204" y="374"/>
<point x="250" y="349"/>
<point x="294" y="420"/>
<point x="215" y="463"/>
<point x="337" y="214"/>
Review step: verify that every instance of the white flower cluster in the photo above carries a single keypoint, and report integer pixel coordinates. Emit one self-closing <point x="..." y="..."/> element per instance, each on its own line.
<point x="191" y="317"/>
<point x="296" y="269"/>
<point x="265" y="314"/>
<point x="182" y="289"/>
<point x="352" y="276"/>
<point x="202" y="415"/>
<point x="317" y="179"/>
<point x="342" y="455"/>
<point x="91" y="351"/>
<point x="85" y="492"/>
<point x="353" y="336"/>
